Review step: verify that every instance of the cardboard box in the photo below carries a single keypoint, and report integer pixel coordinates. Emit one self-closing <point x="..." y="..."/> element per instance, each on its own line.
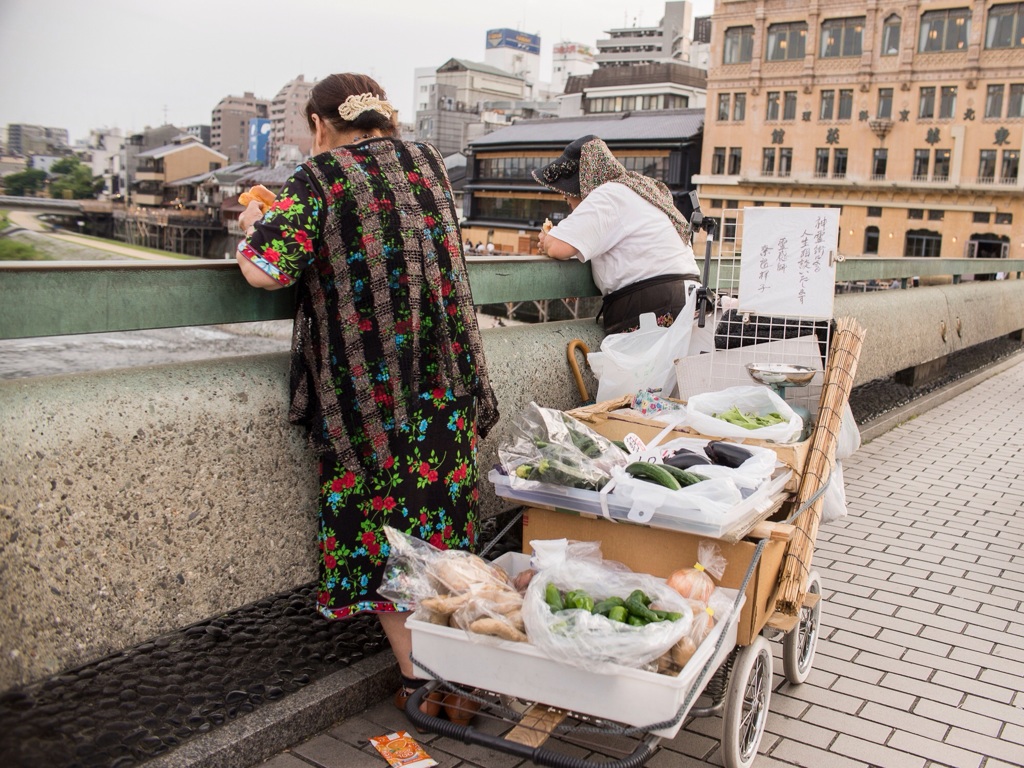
<point x="616" y="424"/>
<point x="660" y="552"/>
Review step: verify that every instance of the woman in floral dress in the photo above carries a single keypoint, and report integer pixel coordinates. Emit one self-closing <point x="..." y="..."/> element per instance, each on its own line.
<point x="387" y="371"/>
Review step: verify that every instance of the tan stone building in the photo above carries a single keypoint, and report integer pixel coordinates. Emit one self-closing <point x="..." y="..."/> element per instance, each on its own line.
<point x="909" y="116"/>
<point x="290" y="140"/>
<point x="185" y="156"/>
<point x="229" y="130"/>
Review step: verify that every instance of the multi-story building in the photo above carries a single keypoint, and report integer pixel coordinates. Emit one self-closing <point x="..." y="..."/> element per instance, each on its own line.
<point x="640" y="87"/>
<point x="517" y="53"/>
<point x="668" y="41"/>
<point x="568" y="60"/>
<point x="459" y="95"/>
<point x="503" y="204"/>
<point x="229" y="130"/>
<point x="289" y="136"/>
<point x="25" y="140"/>
<point x="909" y="117"/>
<point x="103" y="153"/>
<point x="185" y="156"/>
<point x="202" y="132"/>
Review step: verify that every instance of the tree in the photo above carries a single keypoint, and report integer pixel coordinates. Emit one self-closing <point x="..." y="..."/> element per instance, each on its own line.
<point x="73" y="180"/>
<point x="24" y="183"/>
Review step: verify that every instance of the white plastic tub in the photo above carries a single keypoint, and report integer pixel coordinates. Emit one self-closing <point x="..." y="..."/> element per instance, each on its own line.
<point x="668" y="515"/>
<point x="629" y="696"/>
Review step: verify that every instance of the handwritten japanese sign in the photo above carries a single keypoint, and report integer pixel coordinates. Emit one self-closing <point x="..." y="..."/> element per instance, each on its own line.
<point x="787" y="264"/>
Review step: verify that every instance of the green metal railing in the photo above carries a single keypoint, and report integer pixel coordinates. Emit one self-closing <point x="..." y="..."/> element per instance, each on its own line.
<point x="58" y="298"/>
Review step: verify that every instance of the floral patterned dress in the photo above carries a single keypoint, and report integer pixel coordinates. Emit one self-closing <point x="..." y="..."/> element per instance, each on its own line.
<point x="387" y="367"/>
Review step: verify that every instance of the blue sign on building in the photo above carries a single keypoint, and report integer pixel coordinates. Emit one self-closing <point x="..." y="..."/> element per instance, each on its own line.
<point x="510" y="38"/>
<point x="259" y="140"/>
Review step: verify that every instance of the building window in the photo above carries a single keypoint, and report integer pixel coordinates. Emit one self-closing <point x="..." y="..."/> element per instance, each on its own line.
<point x="871" y="240"/>
<point x="947" y="102"/>
<point x="739" y="107"/>
<point x="739" y="45"/>
<point x="940" y="170"/>
<point x="1011" y="165"/>
<point x="789" y="105"/>
<point x="987" y="166"/>
<point x="923" y="243"/>
<point x="884" y="111"/>
<point x="1004" y="218"/>
<point x="768" y="161"/>
<point x="786" y="41"/>
<point x="723" y="106"/>
<point x="828" y="103"/>
<point x="936" y="215"/>
<point x="878" y="163"/>
<point x="735" y="160"/>
<point x="926" y="103"/>
<point x="785" y="161"/>
<point x="718" y="161"/>
<point x="981" y="217"/>
<point x="922" y="158"/>
<point x="994" y="101"/>
<point x="1005" y="26"/>
<point x="916" y="214"/>
<point x="839" y="157"/>
<point x="891" y="36"/>
<point x="874" y="212"/>
<point x="945" y="30"/>
<point x="845" y="104"/>
<point x="821" y="163"/>
<point x="1016" y="106"/>
<point x="773" y="106"/>
<point x="841" y="37"/>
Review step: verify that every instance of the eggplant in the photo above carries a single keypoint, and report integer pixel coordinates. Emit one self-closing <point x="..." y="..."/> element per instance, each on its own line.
<point x="726" y="454"/>
<point x="684" y="459"/>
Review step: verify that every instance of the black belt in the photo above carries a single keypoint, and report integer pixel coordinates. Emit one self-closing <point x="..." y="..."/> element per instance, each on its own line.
<point x="639" y="285"/>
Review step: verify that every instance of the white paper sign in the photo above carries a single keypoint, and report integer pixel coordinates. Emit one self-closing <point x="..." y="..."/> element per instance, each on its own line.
<point x="787" y="267"/>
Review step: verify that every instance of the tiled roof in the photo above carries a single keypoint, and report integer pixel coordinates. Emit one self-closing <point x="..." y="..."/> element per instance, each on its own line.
<point x="168" y="149"/>
<point x="672" y="125"/>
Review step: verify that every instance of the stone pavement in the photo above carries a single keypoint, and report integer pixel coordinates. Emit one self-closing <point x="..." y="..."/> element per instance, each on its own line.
<point x="920" y="662"/>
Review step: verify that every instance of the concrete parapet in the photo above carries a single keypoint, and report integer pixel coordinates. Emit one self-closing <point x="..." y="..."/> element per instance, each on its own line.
<point x="134" y="502"/>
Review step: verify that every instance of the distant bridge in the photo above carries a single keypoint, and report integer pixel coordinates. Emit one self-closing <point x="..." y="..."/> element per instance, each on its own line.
<point x="54" y="205"/>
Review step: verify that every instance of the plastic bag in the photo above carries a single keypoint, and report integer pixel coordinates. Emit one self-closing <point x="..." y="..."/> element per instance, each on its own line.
<point x="452" y="587"/>
<point x="696" y="583"/>
<point x="550" y="446"/>
<point x="644" y="358"/>
<point x="592" y="641"/>
<point x="700" y="410"/>
<point x="705" y="617"/>
<point x="833" y="503"/>
<point x="752" y="473"/>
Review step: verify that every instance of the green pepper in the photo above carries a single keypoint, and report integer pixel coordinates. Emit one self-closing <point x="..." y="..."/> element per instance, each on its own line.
<point x="618" y="613"/>
<point x="668" y="615"/>
<point x="579" y="599"/>
<point x="636" y="621"/>
<point x="606" y="605"/>
<point x="637" y="606"/>
<point x="553" y="598"/>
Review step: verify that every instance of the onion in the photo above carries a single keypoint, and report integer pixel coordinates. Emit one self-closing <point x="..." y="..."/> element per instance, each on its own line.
<point x="692" y="583"/>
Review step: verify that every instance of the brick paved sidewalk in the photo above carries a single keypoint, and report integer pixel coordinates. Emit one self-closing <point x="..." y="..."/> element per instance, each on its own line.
<point x="921" y="657"/>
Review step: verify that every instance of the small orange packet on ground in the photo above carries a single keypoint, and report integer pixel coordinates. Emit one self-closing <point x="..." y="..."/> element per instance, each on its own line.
<point x="402" y="751"/>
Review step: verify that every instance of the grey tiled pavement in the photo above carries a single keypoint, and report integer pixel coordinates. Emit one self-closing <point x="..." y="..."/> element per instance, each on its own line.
<point x="921" y="657"/>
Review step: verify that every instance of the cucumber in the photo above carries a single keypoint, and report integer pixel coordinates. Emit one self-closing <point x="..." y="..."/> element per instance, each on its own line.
<point x="653" y="473"/>
<point x="682" y="477"/>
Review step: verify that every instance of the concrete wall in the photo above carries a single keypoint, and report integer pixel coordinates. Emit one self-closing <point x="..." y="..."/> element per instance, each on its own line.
<point x="138" y="501"/>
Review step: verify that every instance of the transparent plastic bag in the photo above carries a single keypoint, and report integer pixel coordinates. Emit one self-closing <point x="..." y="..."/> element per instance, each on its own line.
<point x="550" y="446"/>
<point x="700" y="410"/>
<point x="592" y="641"/>
<point x="697" y="582"/>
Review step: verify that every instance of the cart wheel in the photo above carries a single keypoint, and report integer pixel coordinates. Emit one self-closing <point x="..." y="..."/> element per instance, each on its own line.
<point x="746" y="703"/>
<point x="799" y="643"/>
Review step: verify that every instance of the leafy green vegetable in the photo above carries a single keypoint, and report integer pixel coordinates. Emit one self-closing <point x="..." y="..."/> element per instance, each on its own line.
<point x="749" y="420"/>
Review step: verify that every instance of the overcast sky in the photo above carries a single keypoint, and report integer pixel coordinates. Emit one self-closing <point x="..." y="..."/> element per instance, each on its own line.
<point x="82" y="64"/>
